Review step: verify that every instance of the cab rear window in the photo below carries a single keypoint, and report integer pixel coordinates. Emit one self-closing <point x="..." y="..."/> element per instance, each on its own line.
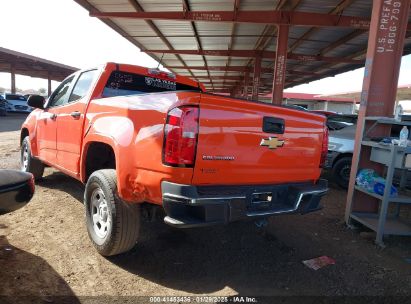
<point x="123" y="83"/>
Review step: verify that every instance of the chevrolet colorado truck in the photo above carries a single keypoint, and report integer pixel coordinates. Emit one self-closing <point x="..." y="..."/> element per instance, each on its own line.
<point x="140" y="137"/>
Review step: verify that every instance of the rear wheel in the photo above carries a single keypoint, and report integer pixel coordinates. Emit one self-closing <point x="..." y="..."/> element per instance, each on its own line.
<point x="112" y="224"/>
<point x="28" y="162"/>
<point x="341" y="171"/>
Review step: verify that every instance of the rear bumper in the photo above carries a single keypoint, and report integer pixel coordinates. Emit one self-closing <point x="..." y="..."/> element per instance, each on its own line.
<point x="193" y="206"/>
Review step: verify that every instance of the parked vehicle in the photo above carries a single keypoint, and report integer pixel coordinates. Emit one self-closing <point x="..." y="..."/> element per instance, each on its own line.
<point x="341" y="146"/>
<point x="323" y="112"/>
<point x="16" y="190"/>
<point x="295" y="107"/>
<point x="136" y="135"/>
<point x="3" y="106"/>
<point x="341" y="142"/>
<point x="17" y="103"/>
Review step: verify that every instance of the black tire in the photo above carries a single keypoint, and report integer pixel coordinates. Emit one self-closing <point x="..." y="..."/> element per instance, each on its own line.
<point x="117" y="225"/>
<point x="28" y="162"/>
<point x="3" y="112"/>
<point x="341" y="171"/>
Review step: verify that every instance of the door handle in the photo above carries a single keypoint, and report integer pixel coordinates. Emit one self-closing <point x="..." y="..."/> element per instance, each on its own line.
<point x="53" y="116"/>
<point x="273" y="125"/>
<point x="75" y="114"/>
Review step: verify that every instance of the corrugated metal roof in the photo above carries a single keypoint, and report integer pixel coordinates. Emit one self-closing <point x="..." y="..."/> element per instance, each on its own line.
<point x="187" y="35"/>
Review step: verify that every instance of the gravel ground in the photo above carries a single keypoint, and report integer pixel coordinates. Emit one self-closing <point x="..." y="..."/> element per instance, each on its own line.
<point x="45" y="251"/>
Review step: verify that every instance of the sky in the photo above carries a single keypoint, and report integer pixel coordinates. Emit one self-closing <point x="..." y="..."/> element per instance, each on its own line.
<point x="62" y="31"/>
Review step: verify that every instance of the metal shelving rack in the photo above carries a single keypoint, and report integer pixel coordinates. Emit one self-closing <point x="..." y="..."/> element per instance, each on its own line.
<point x="393" y="157"/>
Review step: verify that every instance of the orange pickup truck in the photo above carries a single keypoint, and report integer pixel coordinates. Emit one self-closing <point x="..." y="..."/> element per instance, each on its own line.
<point x="135" y="135"/>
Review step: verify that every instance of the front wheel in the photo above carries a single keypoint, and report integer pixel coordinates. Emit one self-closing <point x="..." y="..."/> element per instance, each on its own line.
<point x="28" y="162"/>
<point x="112" y="224"/>
<point x="341" y="172"/>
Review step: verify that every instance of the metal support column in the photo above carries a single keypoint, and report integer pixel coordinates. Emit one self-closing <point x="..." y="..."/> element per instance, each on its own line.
<point x="48" y="85"/>
<point x="246" y="82"/>
<point x="13" y="79"/>
<point x="385" y="47"/>
<point x="280" y="64"/>
<point x="256" y="77"/>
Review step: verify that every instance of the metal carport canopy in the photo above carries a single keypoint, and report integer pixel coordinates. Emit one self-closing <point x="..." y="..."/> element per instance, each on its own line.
<point x="14" y="62"/>
<point x="29" y="65"/>
<point x="219" y="42"/>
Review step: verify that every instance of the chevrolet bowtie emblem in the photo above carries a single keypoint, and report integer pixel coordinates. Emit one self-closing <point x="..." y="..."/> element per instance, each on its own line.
<point x="272" y="142"/>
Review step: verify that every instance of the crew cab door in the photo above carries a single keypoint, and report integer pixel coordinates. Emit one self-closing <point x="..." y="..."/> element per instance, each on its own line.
<point x="70" y="121"/>
<point x="47" y="122"/>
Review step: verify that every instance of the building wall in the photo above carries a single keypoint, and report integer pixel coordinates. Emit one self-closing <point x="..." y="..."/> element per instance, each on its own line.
<point x="308" y="104"/>
<point x="344" y="108"/>
<point x="340" y="107"/>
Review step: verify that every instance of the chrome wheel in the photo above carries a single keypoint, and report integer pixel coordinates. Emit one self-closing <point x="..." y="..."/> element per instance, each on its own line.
<point x="100" y="214"/>
<point x="25" y="157"/>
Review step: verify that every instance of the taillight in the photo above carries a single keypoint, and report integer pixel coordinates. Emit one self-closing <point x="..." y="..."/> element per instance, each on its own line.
<point x="324" y="148"/>
<point x="180" y="136"/>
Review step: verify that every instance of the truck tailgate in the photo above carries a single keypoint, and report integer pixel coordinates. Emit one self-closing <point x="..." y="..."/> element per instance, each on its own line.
<point x="234" y="149"/>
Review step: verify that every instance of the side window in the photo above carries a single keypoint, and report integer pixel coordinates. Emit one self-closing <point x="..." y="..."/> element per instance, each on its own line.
<point x="82" y="86"/>
<point x="60" y="95"/>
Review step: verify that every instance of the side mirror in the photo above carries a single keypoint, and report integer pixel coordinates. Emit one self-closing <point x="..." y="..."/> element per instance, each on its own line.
<point x="16" y="190"/>
<point x="36" y="101"/>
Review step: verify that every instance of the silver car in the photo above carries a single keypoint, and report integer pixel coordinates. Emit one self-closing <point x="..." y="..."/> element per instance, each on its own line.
<point x="341" y="146"/>
<point x="3" y="106"/>
<point x="16" y="103"/>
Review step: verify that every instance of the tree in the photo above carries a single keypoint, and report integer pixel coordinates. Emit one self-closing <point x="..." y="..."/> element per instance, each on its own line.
<point x="42" y="91"/>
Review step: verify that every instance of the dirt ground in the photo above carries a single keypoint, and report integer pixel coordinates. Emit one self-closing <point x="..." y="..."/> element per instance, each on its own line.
<point x="45" y="251"/>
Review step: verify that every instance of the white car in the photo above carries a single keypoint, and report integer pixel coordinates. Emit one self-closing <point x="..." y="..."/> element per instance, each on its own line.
<point x="17" y="103"/>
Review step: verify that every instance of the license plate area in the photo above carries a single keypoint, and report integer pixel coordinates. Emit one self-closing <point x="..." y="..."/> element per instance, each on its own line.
<point x="261" y="198"/>
<point x="261" y="201"/>
<point x="269" y="199"/>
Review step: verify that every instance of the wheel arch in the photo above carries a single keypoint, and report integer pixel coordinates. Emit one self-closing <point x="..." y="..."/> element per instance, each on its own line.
<point x="97" y="154"/>
<point x="23" y="134"/>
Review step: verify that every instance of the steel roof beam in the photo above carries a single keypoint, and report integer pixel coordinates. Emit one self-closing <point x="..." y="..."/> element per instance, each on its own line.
<point x="341" y="41"/>
<point x="271" y="30"/>
<point x="242" y="69"/>
<point x="220" y="77"/>
<point x="136" y="5"/>
<point x="233" y="29"/>
<point x="264" y="17"/>
<point x="253" y="53"/>
<point x="330" y="65"/>
<point x="338" y="9"/>
<point x="186" y="8"/>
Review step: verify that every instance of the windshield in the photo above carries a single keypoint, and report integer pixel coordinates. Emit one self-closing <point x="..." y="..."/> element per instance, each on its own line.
<point x="338" y="122"/>
<point x="15" y="97"/>
<point x="123" y="83"/>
